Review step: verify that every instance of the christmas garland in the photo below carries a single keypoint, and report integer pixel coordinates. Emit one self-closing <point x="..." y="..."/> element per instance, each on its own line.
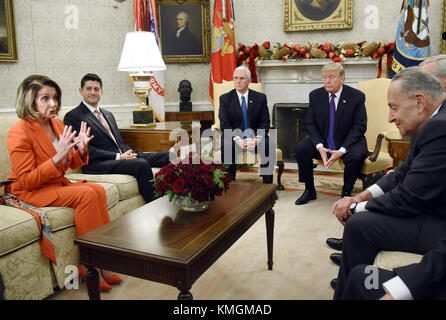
<point x="336" y="52"/>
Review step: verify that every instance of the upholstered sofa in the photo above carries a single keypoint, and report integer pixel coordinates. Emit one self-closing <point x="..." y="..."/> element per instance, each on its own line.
<point x="26" y="272"/>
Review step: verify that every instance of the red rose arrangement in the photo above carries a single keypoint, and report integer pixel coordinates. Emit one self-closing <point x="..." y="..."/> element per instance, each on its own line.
<point x="192" y="179"/>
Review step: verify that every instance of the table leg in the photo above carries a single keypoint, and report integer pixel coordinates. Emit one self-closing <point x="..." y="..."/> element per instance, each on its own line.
<point x="185" y="295"/>
<point x="93" y="283"/>
<point x="269" y="218"/>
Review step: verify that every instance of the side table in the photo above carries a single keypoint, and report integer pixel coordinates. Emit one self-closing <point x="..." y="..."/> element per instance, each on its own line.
<point x="398" y="150"/>
<point x="206" y="118"/>
<point x="156" y="139"/>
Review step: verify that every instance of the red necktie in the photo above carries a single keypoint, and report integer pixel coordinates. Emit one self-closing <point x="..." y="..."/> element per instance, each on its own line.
<point x="106" y="126"/>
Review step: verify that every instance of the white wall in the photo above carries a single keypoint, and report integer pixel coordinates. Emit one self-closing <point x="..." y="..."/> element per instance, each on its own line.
<point x="47" y="45"/>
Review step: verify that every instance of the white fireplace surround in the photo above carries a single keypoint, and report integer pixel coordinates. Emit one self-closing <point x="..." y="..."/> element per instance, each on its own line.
<point x="283" y="82"/>
<point x="293" y="80"/>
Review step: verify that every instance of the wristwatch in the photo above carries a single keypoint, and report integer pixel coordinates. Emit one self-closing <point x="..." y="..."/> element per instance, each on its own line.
<point x="353" y="207"/>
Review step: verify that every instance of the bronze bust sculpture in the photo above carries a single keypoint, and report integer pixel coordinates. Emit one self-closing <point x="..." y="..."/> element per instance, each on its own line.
<point x="185" y="89"/>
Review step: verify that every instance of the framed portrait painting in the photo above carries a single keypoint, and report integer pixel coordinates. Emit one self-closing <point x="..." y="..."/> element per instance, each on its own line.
<point x="184" y="30"/>
<point x="310" y="15"/>
<point x="8" y="46"/>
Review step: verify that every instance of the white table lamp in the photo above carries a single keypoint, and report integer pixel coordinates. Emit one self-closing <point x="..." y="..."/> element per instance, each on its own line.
<point x="140" y="56"/>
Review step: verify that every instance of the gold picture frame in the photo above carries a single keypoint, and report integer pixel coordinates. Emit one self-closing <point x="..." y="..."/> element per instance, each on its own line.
<point x="192" y="43"/>
<point x="443" y="30"/>
<point x="311" y="15"/>
<point x="8" y="45"/>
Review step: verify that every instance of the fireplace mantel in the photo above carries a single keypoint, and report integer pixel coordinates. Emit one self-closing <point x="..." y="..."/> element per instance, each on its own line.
<point x="292" y="81"/>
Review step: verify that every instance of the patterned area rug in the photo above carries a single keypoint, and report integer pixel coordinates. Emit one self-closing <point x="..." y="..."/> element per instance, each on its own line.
<point x="328" y="183"/>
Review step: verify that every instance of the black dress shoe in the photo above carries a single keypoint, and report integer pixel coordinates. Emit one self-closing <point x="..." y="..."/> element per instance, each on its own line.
<point x="336" y="258"/>
<point x="333" y="283"/>
<point x="334" y="243"/>
<point x="305" y="197"/>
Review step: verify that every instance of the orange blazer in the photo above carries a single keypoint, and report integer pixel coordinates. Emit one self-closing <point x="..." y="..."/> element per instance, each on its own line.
<point x="36" y="178"/>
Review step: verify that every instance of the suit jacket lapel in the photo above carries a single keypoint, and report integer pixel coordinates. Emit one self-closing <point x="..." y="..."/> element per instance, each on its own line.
<point x="442" y="107"/>
<point x="111" y="123"/>
<point x="340" y="109"/>
<point x="42" y="138"/>
<point x="44" y="141"/>
<point x="236" y="106"/>
<point x="93" y="120"/>
<point x="251" y="103"/>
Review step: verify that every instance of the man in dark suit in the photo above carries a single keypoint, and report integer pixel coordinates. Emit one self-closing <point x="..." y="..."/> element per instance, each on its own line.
<point x="404" y="210"/>
<point x="182" y="40"/>
<point x="436" y="66"/>
<point x="336" y="123"/>
<point x="108" y="152"/>
<point x="244" y="121"/>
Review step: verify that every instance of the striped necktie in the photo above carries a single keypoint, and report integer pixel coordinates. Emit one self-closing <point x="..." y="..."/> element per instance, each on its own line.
<point x="106" y="126"/>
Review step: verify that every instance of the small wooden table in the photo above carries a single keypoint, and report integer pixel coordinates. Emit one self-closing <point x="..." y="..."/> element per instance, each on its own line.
<point x="162" y="243"/>
<point x="206" y="118"/>
<point x="155" y="139"/>
<point x="398" y="150"/>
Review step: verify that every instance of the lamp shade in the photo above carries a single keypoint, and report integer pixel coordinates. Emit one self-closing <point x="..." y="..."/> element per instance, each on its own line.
<point x="140" y="53"/>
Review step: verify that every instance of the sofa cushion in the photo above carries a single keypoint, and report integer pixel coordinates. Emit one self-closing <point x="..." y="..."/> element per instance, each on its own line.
<point x="19" y="228"/>
<point x="126" y="185"/>
<point x="390" y="260"/>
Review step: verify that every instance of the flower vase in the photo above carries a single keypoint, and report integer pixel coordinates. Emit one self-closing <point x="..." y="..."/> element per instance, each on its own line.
<point x="193" y="206"/>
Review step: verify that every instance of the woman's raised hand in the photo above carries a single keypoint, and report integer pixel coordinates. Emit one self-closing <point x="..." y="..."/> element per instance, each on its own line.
<point x="65" y="144"/>
<point x="83" y="138"/>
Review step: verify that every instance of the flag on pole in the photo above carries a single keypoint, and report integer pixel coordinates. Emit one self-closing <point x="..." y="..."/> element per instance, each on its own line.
<point x="146" y="20"/>
<point x="223" y="59"/>
<point x="412" y="44"/>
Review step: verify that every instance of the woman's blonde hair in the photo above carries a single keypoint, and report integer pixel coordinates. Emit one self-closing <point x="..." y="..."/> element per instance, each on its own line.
<point x="27" y="92"/>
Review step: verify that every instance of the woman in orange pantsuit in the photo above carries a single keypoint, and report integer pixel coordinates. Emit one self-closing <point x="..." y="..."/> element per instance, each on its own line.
<point x="41" y="149"/>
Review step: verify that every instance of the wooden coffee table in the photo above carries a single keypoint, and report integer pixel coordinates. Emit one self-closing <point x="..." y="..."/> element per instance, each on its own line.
<point x="161" y="243"/>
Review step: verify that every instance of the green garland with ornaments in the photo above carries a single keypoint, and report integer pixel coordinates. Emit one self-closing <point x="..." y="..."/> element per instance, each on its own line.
<point x="313" y="50"/>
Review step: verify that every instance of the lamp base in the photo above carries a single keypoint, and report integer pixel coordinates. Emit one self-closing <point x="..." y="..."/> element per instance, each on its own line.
<point x="143" y="125"/>
<point x="142" y="117"/>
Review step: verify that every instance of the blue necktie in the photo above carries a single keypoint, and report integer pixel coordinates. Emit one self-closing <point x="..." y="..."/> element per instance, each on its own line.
<point x="330" y="139"/>
<point x="245" y="117"/>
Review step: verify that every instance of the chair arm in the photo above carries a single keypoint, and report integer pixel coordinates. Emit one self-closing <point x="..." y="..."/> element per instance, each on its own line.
<point x="392" y="134"/>
<point x="5" y="182"/>
<point x="375" y="152"/>
<point x="215" y="127"/>
<point x="388" y="135"/>
<point x="216" y="132"/>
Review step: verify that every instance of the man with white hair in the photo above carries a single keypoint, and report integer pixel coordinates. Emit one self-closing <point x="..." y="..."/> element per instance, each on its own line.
<point x="182" y="40"/>
<point x="244" y="122"/>
<point x="404" y="210"/>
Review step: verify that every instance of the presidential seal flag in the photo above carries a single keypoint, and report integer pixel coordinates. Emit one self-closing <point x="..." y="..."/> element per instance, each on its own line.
<point x="223" y="60"/>
<point x="412" y="44"/>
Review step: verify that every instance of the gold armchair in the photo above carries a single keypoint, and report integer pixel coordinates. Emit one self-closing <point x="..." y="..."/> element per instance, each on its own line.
<point x="378" y="130"/>
<point x="248" y="157"/>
